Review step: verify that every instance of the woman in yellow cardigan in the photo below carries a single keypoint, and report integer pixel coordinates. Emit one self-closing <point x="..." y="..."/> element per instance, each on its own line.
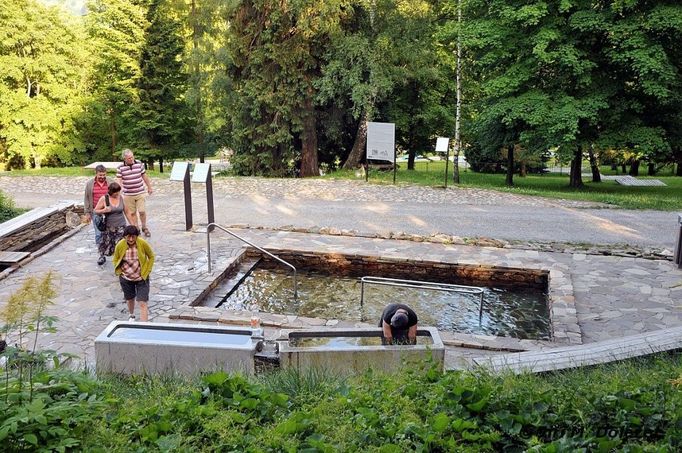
<point x="133" y="261"/>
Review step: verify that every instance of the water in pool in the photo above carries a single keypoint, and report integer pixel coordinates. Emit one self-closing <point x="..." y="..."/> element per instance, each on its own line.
<point x="519" y="313"/>
<point x="345" y="342"/>
<point x="180" y="335"/>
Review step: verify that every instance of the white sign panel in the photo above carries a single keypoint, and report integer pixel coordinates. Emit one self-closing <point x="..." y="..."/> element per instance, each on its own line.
<point x="201" y="172"/>
<point x="442" y="144"/>
<point x="178" y="171"/>
<point x="381" y="141"/>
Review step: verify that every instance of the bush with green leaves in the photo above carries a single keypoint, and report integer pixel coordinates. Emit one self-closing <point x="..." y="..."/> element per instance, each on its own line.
<point x="7" y="209"/>
<point x="42" y="406"/>
<point x="631" y="406"/>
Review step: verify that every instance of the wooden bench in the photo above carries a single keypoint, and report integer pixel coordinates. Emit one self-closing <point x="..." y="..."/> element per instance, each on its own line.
<point x="584" y="355"/>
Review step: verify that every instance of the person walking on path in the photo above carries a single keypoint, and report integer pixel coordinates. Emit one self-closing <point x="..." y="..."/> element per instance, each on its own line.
<point x="132" y="176"/>
<point x="399" y="324"/>
<point x="133" y="262"/>
<point x="112" y="207"/>
<point x="95" y="189"/>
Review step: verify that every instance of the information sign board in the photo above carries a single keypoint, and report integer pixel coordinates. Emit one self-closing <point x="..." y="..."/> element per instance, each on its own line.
<point x="201" y="172"/>
<point x="179" y="170"/>
<point x="442" y="144"/>
<point x="381" y="141"/>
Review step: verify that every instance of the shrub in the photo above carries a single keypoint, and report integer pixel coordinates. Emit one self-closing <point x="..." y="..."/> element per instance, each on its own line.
<point x="42" y="407"/>
<point x="7" y="209"/>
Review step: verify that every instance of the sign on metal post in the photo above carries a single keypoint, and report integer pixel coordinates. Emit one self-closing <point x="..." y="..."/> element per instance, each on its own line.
<point x="443" y="146"/>
<point x="381" y="144"/>
<point x="202" y="174"/>
<point x="180" y="172"/>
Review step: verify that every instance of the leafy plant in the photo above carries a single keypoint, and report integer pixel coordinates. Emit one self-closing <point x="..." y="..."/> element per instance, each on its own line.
<point x="41" y="405"/>
<point x="7" y="209"/>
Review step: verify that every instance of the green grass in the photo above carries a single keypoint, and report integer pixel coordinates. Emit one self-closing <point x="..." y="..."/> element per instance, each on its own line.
<point x="72" y="171"/>
<point x="664" y="198"/>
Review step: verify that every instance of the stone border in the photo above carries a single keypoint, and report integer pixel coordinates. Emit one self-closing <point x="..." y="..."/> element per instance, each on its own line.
<point x="624" y="250"/>
<point x="419" y="269"/>
<point x="66" y="210"/>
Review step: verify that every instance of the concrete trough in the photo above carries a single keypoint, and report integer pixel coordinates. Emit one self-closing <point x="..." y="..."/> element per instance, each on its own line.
<point x="174" y="349"/>
<point x="347" y="351"/>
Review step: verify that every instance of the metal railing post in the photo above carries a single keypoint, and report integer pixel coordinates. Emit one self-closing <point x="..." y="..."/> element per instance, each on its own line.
<point x="208" y="246"/>
<point x="419" y="284"/>
<point x="208" y="235"/>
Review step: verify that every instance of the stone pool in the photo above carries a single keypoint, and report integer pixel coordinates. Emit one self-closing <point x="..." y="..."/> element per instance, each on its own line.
<point x="507" y="311"/>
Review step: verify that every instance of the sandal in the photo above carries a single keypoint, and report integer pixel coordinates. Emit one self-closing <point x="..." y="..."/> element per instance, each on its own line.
<point x="146" y="232"/>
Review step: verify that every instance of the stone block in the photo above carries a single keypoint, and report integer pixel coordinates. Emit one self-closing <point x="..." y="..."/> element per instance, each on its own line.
<point x="174" y="349"/>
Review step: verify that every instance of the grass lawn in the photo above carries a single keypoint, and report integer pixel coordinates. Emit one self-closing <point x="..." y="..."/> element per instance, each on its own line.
<point x="551" y="185"/>
<point x="73" y="171"/>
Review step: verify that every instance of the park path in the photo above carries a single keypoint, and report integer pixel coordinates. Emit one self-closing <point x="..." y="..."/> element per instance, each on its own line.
<point x="371" y="209"/>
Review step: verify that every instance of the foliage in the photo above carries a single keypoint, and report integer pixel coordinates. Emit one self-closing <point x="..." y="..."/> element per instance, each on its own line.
<point x="41" y="405"/>
<point x="163" y="122"/>
<point x="627" y="405"/>
<point x="40" y="86"/>
<point x="7" y="209"/>
<point x="54" y="418"/>
<point x="575" y="74"/>
<point x="116" y="30"/>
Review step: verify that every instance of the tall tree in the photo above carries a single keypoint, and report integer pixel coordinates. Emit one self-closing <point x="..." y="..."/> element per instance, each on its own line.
<point x="40" y="86"/>
<point x="164" y="122"/>
<point x="116" y="29"/>
<point x="276" y="51"/>
<point x="576" y="73"/>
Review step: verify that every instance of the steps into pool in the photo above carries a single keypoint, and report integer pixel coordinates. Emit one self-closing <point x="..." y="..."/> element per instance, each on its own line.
<point x="230" y="284"/>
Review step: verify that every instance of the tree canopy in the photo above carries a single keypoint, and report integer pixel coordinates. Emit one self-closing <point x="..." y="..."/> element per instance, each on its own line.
<point x="289" y="86"/>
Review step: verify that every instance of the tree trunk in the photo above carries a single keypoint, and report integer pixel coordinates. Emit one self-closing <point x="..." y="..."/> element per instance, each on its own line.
<point x="624" y="168"/>
<point x="522" y="169"/>
<point x="634" y="168"/>
<point x="679" y="165"/>
<point x="112" y="126"/>
<point x="614" y="167"/>
<point x="410" y="159"/>
<point x="309" y="165"/>
<point x="199" y="129"/>
<point x="455" y="161"/>
<point x="651" y="171"/>
<point x="510" y="166"/>
<point x="161" y="164"/>
<point x="356" y="154"/>
<point x="576" y="178"/>
<point x="594" y="164"/>
<point x="458" y="87"/>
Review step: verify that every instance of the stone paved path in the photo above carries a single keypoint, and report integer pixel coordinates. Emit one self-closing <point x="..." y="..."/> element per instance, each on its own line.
<point x="611" y="296"/>
<point x="371" y="209"/>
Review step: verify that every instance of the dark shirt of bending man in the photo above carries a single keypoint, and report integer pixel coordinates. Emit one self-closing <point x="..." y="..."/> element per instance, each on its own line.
<point x="399" y="324"/>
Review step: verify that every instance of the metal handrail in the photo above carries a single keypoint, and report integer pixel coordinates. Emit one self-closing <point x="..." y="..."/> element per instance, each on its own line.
<point x="422" y="285"/>
<point x="208" y="241"/>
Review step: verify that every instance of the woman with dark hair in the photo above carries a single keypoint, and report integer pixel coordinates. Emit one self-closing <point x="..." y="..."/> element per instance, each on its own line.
<point x="133" y="261"/>
<point x="111" y="206"/>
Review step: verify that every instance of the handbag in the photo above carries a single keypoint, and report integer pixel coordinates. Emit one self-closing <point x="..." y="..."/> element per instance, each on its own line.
<point x="101" y="219"/>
